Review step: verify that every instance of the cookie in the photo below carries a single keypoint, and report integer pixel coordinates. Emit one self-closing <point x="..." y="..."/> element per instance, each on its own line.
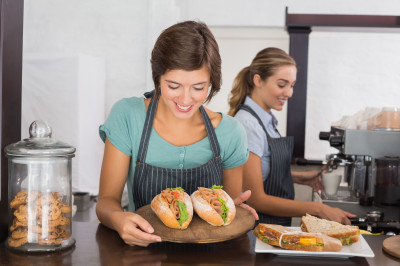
<point x="64" y="207"/>
<point x="17" y="242"/>
<point x="65" y="220"/>
<point x="17" y="224"/>
<point x="23" y="197"/>
<point x="50" y="197"/>
<point x="21" y="232"/>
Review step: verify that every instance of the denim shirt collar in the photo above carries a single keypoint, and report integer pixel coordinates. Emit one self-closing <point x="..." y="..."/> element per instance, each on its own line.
<point x="268" y="119"/>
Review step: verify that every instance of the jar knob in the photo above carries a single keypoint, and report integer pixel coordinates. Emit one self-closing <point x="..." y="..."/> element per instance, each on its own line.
<point x="39" y="129"/>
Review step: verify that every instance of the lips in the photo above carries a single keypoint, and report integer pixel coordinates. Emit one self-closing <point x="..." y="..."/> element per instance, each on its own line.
<point x="184" y="108"/>
<point x="282" y="101"/>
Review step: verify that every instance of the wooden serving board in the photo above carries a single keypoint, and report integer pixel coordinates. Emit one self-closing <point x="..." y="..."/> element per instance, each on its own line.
<point x="198" y="230"/>
<point x="392" y="246"/>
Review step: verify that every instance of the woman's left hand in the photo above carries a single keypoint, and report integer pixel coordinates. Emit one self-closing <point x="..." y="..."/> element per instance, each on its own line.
<point x="310" y="178"/>
<point x="242" y="198"/>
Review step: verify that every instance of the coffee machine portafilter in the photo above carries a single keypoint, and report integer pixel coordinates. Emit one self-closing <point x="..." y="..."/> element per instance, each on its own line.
<point x="358" y="150"/>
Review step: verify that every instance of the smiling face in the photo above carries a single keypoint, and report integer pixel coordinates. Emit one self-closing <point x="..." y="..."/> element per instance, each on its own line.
<point x="273" y="92"/>
<point x="183" y="92"/>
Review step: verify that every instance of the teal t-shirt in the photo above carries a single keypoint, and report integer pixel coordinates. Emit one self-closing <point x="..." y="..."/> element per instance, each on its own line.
<point x="124" y="127"/>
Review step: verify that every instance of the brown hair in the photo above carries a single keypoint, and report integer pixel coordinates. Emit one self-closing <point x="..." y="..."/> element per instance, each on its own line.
<point x="264" y="64"/>
<point x="187" y="45"/>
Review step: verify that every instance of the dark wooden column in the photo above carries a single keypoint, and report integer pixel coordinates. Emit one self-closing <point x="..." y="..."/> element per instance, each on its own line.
<point x="11" y="28"/>
<point x="296" y="120"/>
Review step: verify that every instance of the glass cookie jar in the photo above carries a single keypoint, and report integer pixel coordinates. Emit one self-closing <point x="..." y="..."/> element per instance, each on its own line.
<point x="39" y="189"/>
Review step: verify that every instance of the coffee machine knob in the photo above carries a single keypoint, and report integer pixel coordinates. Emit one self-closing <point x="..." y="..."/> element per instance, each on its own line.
<point x="336" y="141"/>
<point x="323" y="135"/>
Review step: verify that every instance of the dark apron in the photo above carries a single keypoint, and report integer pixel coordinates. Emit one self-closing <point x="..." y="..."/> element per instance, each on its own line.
<point x="279" y="182"/>
<point x="150" y="180"/>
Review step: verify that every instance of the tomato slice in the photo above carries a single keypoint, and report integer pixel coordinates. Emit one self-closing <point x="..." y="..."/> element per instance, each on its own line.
<point x="176" y="194"/>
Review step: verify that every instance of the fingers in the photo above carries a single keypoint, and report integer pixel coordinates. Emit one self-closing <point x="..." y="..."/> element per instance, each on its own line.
<point x="135" y="230"/>
<point x="346" y="221"/>
<point x="144" y="224"/>
<point x="350" y="215"/>
<point x="252" y="210"/>
<point x="242" y="198"/>
<point x="138" y="237"/>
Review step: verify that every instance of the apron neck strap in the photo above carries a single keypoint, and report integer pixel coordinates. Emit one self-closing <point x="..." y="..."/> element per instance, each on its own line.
<point x="148" y="124"/>
<point x="211" y="133"/>
<point x="251" y="111"/>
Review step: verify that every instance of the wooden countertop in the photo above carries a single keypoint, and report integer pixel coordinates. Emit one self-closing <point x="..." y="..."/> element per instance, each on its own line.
<point x="98" y="245"/>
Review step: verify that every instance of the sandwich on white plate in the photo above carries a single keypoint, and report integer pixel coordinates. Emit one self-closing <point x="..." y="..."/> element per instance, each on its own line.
<point x="347" y="234"/>
<point x="280" y="236"/>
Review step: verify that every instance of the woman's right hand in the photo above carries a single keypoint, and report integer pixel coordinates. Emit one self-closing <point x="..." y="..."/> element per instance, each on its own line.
<point x="134" y="229"/>
<point x="336" y="214"/>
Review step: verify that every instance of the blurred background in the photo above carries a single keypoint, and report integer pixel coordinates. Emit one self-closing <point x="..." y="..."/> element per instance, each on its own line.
<point x="80" y="57"/>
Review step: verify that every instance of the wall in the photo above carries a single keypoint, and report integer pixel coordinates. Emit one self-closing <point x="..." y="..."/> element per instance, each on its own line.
<point x="124" y="32"/>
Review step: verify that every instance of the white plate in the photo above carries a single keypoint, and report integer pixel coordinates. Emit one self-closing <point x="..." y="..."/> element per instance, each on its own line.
<point x="358" y="249"/>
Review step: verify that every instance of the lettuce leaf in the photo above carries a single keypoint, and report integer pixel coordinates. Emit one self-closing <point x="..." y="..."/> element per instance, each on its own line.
<point x="177" y="188"/>
<point x="225" y="209"/>
<point x="184" y="215"/>
<point x="216" y="187"/>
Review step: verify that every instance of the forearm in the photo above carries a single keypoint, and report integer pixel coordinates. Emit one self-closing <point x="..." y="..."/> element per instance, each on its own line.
<point x="276" y="206"/>
<point x="232" y="181"/>
<point x="106" y="210"/>
<point x="296" y="176"/>
<point x="112" y="180"/>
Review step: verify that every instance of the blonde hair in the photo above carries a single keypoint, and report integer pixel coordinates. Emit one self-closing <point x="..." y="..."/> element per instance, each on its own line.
<point x="264" y="64"/>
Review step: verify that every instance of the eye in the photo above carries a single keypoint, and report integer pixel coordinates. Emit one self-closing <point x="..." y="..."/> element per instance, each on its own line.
<point x="173" y="87"/>
<point x="198" y="88"/>
<point x="281" y="86"/>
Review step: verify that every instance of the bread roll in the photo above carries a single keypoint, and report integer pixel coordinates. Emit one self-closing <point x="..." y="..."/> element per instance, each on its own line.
<point x="173" y="207"/>
<point x="214" y="205"/>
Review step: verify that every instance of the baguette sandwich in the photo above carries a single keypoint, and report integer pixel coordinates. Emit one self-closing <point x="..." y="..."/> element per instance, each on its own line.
<point x="174" y="207"/>
<point x="347" y="234"/>
<point x="280" y="236"/>
<point x="214" y="205"/>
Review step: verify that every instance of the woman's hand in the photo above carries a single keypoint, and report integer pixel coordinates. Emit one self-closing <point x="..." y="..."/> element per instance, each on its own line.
<point x="336" y="214"/>
<point x="134" y="229"/>
<point x="309" y="178"/>
<point x="242" y="198"/>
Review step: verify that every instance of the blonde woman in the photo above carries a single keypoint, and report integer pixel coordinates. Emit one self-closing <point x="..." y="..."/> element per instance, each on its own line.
<point x="258" y="89"/>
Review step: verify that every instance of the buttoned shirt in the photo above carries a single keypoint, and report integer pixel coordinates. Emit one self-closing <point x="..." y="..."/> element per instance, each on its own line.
<point x="256" y="137"/>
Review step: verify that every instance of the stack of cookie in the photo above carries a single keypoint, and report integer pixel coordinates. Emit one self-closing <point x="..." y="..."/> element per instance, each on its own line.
<point x="39" y="218"/>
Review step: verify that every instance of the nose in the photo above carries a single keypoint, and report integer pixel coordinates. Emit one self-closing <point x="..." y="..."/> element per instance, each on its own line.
<point x="288" y="92"/>
<point x="185" y="96"/>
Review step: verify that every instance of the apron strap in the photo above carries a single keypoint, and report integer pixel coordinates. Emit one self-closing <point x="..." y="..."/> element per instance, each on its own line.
<point x="211" y="133"/>
<point x="148" y="125"/>
<point x="251" y="111"/>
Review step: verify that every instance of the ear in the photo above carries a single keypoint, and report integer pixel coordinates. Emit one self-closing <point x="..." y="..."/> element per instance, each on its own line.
<point x="257" y="80"/>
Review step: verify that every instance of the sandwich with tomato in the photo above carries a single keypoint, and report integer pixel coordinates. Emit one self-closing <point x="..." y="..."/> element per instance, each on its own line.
<point x="214" y="205"/>
<point x="347" y="234"/>
<point x="174" y="207"/>
<point x="278" y="235"/>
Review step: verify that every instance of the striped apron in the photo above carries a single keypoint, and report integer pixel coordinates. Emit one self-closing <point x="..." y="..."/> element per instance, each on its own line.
<point x="150" y="180"/>
<point x="279" y="182"/>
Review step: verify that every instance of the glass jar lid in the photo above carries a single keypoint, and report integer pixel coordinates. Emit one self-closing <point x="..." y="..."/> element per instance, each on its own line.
<point x="40" y="143"/>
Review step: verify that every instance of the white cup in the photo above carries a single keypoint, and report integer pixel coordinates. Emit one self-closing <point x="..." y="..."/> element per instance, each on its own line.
<point x="331" y="183"/>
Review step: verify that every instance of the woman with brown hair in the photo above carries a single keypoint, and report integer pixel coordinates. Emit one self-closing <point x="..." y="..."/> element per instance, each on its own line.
<point x="169" y="139"/>
<point x="265" y="85"/>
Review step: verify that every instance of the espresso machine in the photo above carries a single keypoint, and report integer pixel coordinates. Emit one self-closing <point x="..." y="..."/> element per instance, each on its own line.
<point x="371" y="160"/>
